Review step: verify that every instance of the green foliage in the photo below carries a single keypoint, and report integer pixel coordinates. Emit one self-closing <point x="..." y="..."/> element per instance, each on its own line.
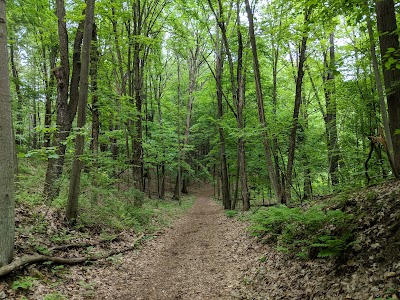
<point x="55" y="296"/>
<point x="392" y="57"/>
<point x="231" y="213"/>
<point x="23" y="283"/>
<point x="312" y="232"/>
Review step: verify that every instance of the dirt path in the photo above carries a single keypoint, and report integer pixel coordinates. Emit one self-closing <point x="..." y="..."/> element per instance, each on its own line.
<point x="202" y="256"/>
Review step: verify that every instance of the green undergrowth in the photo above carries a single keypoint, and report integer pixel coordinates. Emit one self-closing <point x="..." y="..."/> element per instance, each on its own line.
<point x="105" y="203"/>
<point x="309" y="232"/>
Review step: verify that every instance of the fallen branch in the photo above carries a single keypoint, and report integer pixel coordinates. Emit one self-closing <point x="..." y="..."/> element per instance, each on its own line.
<point x="80" y="245"/>
<point x="38" y="258"/>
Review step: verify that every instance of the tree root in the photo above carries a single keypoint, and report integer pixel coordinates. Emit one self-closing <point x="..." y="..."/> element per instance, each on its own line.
<point x="38" y="258"/>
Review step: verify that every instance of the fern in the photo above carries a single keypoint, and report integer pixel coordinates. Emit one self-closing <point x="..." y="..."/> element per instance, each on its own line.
<point x="314" y="230"/>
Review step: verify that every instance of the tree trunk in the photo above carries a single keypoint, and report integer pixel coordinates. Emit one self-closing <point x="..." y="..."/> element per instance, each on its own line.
<point x="137" y="147"/>
<point x="275" y="143"/>
<point x="34" y="124"/>
<point x="219" y="66"/>
<point x="20" y="103"/>
<point x="245" y="195"/>
<point x="95" y="97"/>
<point x="7" y="215"/>
<point x="66" y="111"/>
<point x="273" y="177"/>
<point x="72" y="205"/>
<point x="48" y="85"/>
<point x="296" y="110"/>
<point x="330" y="116"/>
<point x="177" y="189"/>
<point x="388" y="40"/>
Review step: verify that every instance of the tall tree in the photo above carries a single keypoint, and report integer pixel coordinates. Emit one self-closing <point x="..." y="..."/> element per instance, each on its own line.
<point x="242" y="163"/>
<point x="390" y="50"/>
<point x="274" y="180"/>
<point x="66" y="89"/>
<point x="73" y="195"/>
<point x="297" y="103"/>
<point x="7" y="215"/>
<point x="219" y="66"/>
<point x="331" y="111"/>
<point x="379" y="87"/>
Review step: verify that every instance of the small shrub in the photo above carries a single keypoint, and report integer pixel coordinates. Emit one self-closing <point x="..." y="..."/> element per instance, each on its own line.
<point x="23" y="283"/>
<point x="231" y="213"/>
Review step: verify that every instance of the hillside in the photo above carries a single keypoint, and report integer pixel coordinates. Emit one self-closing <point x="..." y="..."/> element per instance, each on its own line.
<point x="369" y="269"/>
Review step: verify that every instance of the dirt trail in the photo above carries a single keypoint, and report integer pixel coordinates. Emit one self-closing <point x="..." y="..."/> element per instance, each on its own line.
<point x="202" y="256"/>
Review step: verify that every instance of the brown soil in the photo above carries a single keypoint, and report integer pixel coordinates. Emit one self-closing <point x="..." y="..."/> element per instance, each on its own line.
<point x="202" y="256"/>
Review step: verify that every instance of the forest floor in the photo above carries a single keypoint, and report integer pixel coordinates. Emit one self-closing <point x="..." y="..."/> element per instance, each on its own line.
<point x="202" y="256"/>
<point x="207" y="255"/>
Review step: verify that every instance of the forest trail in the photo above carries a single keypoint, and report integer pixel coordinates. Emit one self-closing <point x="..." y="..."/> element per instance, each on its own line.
<point x="203" y="255"/>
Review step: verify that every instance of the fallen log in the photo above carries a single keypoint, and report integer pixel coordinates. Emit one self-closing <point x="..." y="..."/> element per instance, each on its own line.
<point x="38" y="258"/>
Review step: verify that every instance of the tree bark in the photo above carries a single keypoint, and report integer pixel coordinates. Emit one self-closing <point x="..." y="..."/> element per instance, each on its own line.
<point x="72" y="204"/>
<point x="389" y="39"/>
<point x="7" y="204"/>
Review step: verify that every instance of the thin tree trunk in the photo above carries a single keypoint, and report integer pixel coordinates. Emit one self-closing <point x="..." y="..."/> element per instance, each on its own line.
<point x="273" y="177"/>
<point x="275" y="143"/>
<point x="7" y="204"/>
<point x="245" y="194"/>
<point x="49" y="85"/>
<point x="72" y="204"/>
<point x="20" y="102"/>
<point x="95" y="97"/>
<point x="222" y="153"/>
<point x="177" y="189"/>
<point x="330" y="116"/>
<point x="34" y="124"/>
<point x="137" y="147"/>
<point x="296" y="110"/>
<point x="307" y="184"/>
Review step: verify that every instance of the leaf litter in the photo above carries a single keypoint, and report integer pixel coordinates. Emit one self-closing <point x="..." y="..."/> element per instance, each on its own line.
<point x="206" y="255"/>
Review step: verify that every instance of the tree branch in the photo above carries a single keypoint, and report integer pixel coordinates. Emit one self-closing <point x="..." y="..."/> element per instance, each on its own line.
<point x="38" y="258"/>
